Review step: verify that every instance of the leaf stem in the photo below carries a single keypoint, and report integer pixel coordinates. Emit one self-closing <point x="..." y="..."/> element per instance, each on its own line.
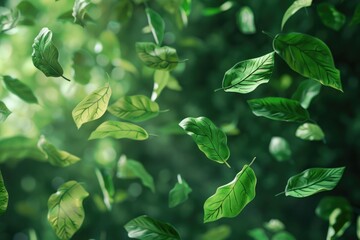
<point x="65" y="78"/>
<point x="227" y="164"/>
<point x="252" y="161"/>
<point x="179" y="179"/>
<point x="268" y="34"/>
<point x="279" y="193"/>
<point x="164" y="111"/>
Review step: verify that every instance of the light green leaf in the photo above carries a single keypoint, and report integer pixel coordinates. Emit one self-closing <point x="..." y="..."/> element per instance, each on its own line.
<point x="310" y="131"/>
<point x="157" y="25"/>
<point x="179" y="193"/>
<point x="274" y="225"/>
<point x="229" y="200"/>
<point x="4" y="112"/>
<point x="283" y="236"/>
<point x="8" y="19"/>
<point x="296" y="6"/>
<point x="329" y="203"/>
<point x="358" y="227"/>
<point x="356" y="19"/>
<point x="56" y="157"/>
<point x="136" y="108"/>
<point x="161" y="58"/>
<point x="4" y="196"/>
<point x="161" y="79"/>
<point x="19" y="89"/>
<point x="280" y="149"/>
<point x="339" y="221"/>
<point x="245" y="20"/>
<point x="79" y="12"/>
<point x="92" y="107"/>
<point x="147" y="228"/>
<point x="247" y="75"/>
<point x="312" y="181"/>
<point x="209" y="138"/>
<point x="306" y="91"/>
<point x="173" y="84"/>
<point x="83" y="62"/>
<point x="186" y="6"/>
<point x="330" y="16"/>
<point x="308" y="56"/>
<point x="28" y="13"/>
<point x="45" y="55"/>
<point x="281" y="109"/>
<point x="216" y="10"/>
<point x="107" y="186"/>
<point x="258" y="234"/>
<point x="66" y="213"/>
<point x="221" y="232"/>
<point x="130" y="169"/>
<point x="119" y="130"/>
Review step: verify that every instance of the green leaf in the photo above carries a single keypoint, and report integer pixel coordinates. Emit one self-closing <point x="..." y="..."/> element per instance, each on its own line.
<point x="28" y="13"/>
<point x="331" y="17"/>
<point x="186" y="6"/>
<point x="66" y="213"/>
<point x="283" y="236"/>
<point x="4" y="112"/>
<point x="8" y="19"/>
<point x="147" y="228"/>
<point x="229" y="200"/>
<point x="356" y="19"/>
<point x="245" y="20"/>
<point x="107" y="186"/>
<point x="312" y="181"/>
<point x="221" y="232"/>
<point x="216" y="10"/>
<point x="358" y="227"/>
<point x="130" y="169"/>
<point x="209" y="138"/>
<point x="157" y="25"/>
<point x="161" y="58"/>
<point x="296" y="6"/>
<point x="19" y="89"/>
<point x="339" y="221"/>
<point x="4" y="196"/>
<point x="308" y="56"/>
<point x="136" y="108"/>
<point x="310" y="131"/>
<point x="280" y="149"/>
<point x="161" y="79"/>
<point x="281" y="109"/>
<point x="173" y="84"/>
<point x="179" y="193"/>
<point x="124" y="10"/>
<point x="92" y="107"/>
<point x="274" y="225"/>
<point x="45" y="55"/>
<point x="258" y="234"/>
<point x="119" y="130"/>
<point x="79" y="12"/>
<point x="83" y="63"/>
<point x="247" y="75"/>
<point x="329" y="203"/>
<point x="56" y="157"/>
<point x="306" y="91"/>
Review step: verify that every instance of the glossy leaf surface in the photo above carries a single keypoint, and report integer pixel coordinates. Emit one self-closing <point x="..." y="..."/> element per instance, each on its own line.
<point x="119" y="130"/>
<point x="296" y="6"/>
<point x="19" y="89"/>
<point x="310" y="131"/>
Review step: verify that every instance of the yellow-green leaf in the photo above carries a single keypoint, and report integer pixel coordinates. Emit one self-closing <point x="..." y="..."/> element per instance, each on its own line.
<point x="4" y="196"/>
<point x="4" y="112"/>
<point x="119" y="130"/>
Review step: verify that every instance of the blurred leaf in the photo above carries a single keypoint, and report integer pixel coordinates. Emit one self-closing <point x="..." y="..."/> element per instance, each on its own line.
<point x="247" y="75"/>
<point x="161" y="79"/>
<point x="280" y="149"/>
<point x="306" y="91"/>
<point x="179" y="193"/>
<point x="4" y="196"/>
<point x="161" y="58"/>
<point x="283" y="236"/>
<point x="135" y="108"/>
<point x="281" y="109"/>
<point x="107" y="186"/>
<point x="356" y="19"/>
<point x="28" y="12"/>
<point x="147" y="228"/>
<point x="221" y="232"/>
<point x="56" y="157"/>
<point x="312" y="181"/>
<point x="310" y="131"/>
<point x="19" y="89"/>
<point x="245" y="20"/>
<point x="230" y="129"/>
<point x="8" y="19"/>
<point x="125" y="65"/>
<point x="173" y="84"/>
<point x="339" y="221"/>
<point x="79" y="12"/>
<point x="308" y="56"/>
<point x="4" y="112"/>
<point x="83" y="63"/>
<point x="110" y="45"/>
<point x="130" y="169"/>
<point x="358" y="227"/>
<point x="230" y="199"/>
<point x="119" y="130"/>
<point x="274" y="225"/>
<point x="331" y="17"/>
<point x="186" y="6"/>
<point x="66" y="213"/>
<point x="67" y="17"/>
<point x="216" y="10"/>
<point x="209" y="138"/>
<point x="328" y="204"/>
<point x="124" y="10"/>
<point x="296" y="6"/>
<point x="258" y="234"/>
<point x="92" y="107"/>
<point x="157" y="25"/>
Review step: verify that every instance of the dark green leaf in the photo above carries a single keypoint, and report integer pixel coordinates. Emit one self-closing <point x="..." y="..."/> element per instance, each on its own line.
<point x="339" y="221"/>
<point x="280" y="149"/>
<point x="229" y="200"/>
<point x="296" y="6"/>
<point x="124" y="10"/>
<point x="283" y="236"/>
<point x="161" y="79"/>
<point x="312" y="181"/>
<point x="92" y="107"/>
<point x="19" y="89"/>
<point x="4" y="196"/>
<point x="356" y="19"/>
<point x="79" y="12"/>
<point x="328" y="204"/>
<point x="310" y="131"/>
<point x="331" y="17"/>
<point x="146" y="228"/>
<point x="66" y="213"/>
<point x="4" y="112"/>
<point x="221" y="232"/>
<point x="179" y="193"/>
<point x="209" y="138"/>
<point x="245" y="20"/>
<point x="245" y="76"/>
<point x="136" y="108"/>
<point x="306" y="91"/>
<point x="157" y="25"/>
<point x="83" y="63"/>
<point x="161" y="58"/>
<point x="281" y="109"/>
<point x="130" y="169"/>
<point x="258" y="234"/>
<point x="119" y="130"/>
<point x="308" y="56"/>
